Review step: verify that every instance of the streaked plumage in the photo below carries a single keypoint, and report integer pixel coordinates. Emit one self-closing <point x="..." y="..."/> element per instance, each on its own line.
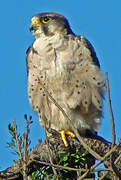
<point x="67" y="66"/>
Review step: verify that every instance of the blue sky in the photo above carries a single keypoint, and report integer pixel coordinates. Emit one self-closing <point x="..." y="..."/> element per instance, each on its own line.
<point x="99" y="21"/>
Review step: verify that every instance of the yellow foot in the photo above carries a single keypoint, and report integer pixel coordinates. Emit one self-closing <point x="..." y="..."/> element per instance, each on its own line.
<point x="69" y="133"/>
<point x="49" y="135"/>
<point x="63" y="136"/>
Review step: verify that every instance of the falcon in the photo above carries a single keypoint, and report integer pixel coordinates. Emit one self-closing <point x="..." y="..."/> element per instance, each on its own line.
<point x="67" y="67"/>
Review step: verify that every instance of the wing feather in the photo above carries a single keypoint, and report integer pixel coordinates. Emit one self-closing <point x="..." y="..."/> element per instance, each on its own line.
<point x="87" y="80"/>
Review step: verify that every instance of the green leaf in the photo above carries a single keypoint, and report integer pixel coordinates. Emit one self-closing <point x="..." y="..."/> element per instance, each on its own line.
<point x="66" y="164"/>
<point x="63" y="156"/>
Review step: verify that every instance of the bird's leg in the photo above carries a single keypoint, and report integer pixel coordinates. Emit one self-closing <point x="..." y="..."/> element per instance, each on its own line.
<point x="63" y="136"/>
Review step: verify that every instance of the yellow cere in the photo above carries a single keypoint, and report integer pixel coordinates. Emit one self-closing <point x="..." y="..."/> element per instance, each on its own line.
<point x="35" y="21"/>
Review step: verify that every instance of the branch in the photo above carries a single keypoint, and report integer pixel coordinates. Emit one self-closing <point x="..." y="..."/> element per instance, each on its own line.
<point x="39" y="156"/>
<point x="110" y="109"/>
<point x="17" y="139"/>
<point x="50" y="153"/>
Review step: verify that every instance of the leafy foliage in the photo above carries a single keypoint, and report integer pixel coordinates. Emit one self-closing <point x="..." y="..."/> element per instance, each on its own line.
<point x="69" y="164"/>
<point x="77" y="159"/>
<point x="17" y="139"/>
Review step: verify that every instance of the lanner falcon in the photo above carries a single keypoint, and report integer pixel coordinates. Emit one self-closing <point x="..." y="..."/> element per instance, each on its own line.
<point x="66" y="66"/>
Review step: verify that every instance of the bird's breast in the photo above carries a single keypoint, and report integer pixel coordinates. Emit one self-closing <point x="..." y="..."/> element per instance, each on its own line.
<point x="57" y="55"/>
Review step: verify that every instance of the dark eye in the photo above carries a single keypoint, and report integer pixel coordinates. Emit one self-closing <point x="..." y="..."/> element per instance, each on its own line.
<point x="45" y="19"/>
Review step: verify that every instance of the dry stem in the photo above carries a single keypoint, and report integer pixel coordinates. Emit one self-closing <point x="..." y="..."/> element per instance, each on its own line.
<point x="49" y="152"/>
<point x="110" y="109"/>
<point x="17" y="140"/>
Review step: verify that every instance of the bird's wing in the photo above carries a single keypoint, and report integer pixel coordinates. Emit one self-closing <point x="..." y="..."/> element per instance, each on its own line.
<point x="89" y="46"/>
<point x="87" y="83"/>
<point x="32" y="65"/>
<point x="27" y="55"/>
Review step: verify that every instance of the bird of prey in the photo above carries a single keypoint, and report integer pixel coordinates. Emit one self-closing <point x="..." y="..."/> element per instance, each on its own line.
<point x="67" y="66"/>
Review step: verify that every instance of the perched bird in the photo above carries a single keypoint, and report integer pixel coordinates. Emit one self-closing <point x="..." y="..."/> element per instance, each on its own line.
<point x="67" y="66"/>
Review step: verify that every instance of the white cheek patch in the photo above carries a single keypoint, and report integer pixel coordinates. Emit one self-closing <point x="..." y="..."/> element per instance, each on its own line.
<point x="38" y="32"/>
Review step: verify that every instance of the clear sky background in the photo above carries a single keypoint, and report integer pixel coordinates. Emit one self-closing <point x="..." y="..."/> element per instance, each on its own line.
<point x="99" y="21"/>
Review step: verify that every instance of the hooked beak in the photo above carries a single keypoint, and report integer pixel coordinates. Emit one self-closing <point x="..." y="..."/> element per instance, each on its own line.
<point x="32" y="28"/>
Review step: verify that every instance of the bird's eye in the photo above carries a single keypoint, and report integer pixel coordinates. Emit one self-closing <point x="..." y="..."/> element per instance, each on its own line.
<point x="45" y="19"/>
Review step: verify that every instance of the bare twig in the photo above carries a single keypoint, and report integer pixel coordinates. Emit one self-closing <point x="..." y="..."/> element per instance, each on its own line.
<point x="101" y="169"/>
<point x="119" y="158"/>
<point x="103" y="176"/>
<point x="70" y="168"/>
<point x="49" y="153"/>
<point x="113" y="127"/>
<point x="17" y="139"/>
<point x="101" y="160"/>
<point x="22" y="157"/>
<point x="25" y="150"/>
<point x="110" y="109"/>
<point x="59" y="166"/>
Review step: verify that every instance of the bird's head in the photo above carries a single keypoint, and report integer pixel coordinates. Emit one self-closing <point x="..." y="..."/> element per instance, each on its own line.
<point x="49" y="24"/>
